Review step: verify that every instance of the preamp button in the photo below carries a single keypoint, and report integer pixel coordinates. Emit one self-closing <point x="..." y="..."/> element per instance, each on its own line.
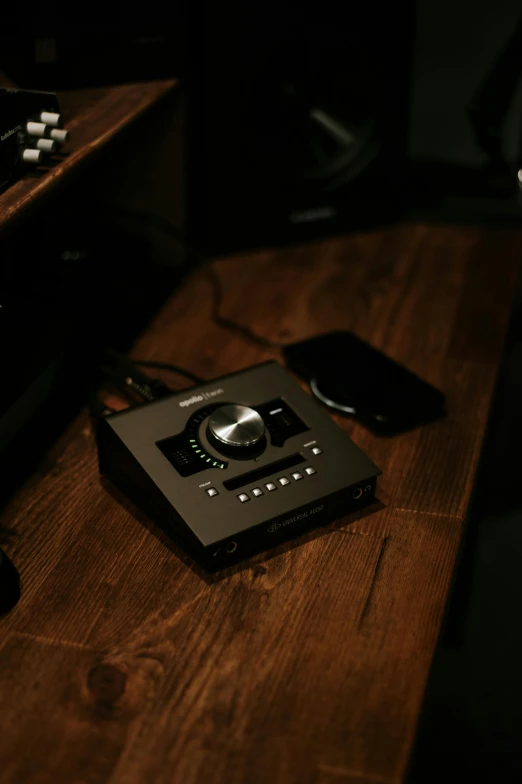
<point x="317" y="450"/>
<point x="243" y="497"/>
<point x="211" y="491"/>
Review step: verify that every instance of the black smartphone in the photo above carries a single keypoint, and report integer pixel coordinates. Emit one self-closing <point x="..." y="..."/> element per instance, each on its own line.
<point x="355" y="379"/>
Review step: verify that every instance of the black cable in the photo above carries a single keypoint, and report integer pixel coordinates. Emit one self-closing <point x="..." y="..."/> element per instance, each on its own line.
<point x="99" y="409"/>
<point x="223" y="321"/>
<point x="127" y="378"/>
<point x="170" y="367"/>
<point x="124" y="371"/>
<point x="163" y="224"/>
<point x="145" y="390"/>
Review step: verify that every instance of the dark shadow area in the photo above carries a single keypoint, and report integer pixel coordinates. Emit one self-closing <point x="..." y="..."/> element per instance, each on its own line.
<point x="449" y="192"/>
<point x="101" y="284"/>
<point x="471" y="725"/>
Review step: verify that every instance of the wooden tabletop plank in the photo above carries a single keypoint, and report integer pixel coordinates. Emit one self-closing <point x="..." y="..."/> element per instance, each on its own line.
<point x="93" y="116"/>
<point x="304" y="665"/>
<point x="250" y="673"/>
<point x="58" y="710"/>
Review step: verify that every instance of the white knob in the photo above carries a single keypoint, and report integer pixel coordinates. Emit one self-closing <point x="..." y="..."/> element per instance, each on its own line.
<point x="51" y="118"/>
<point x="59" y="136"/>
<point x="32" y="156"/>
<point x="36" y="129"/>
<point x="46" y="145"/>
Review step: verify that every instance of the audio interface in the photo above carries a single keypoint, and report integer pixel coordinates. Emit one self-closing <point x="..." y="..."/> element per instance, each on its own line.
<point x="236" y="465"/>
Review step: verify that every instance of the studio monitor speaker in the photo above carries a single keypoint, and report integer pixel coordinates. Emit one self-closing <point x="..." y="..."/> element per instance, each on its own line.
<point x="297" y="118"/>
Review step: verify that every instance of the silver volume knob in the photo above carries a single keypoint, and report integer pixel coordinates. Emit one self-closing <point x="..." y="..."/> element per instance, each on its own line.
<point x="236" y="426"/>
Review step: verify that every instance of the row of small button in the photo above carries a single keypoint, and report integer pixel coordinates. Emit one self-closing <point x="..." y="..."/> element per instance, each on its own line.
<point x="271" y="486"/>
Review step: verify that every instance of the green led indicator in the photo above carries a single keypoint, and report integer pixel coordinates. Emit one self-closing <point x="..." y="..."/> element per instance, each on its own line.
<point x="202" y="455"/>
<point x="198" y="451"/>
<point x="192" y="440"/>
<point x="214" y="463"/>
<point x="209" y="460"/>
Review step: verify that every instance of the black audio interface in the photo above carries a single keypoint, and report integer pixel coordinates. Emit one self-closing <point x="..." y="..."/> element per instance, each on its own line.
<point x="234" y="466"/>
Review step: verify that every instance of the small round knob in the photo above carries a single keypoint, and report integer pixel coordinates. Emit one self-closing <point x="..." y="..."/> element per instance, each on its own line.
<point x="236" y="426"/>
<point x="32" y="156"/>
<point x="46" y="145"/>
<point x="51" y="118"/>
<point x="59" y="135"/>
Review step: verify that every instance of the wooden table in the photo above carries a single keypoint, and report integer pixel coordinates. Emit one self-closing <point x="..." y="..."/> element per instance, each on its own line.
<point x="123" y="664"/>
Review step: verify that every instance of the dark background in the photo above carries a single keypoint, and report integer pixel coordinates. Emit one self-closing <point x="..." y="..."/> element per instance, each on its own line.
<point x="456" y="45"/>
<point x="471" y="727"/>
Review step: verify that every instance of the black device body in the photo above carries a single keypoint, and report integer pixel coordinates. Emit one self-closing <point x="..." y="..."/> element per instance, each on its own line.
<point x="351" y="377"/>
<point x="17" y="107"/>
<point x="223" y="505"/>
<point x="297" y="117"/>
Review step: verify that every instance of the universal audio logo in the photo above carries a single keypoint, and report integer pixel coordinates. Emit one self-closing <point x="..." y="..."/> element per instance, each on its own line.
<point x="276" y="526"/>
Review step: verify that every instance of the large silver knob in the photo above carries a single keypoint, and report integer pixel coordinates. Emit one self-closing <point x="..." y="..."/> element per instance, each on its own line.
<point x="236" y="426"/>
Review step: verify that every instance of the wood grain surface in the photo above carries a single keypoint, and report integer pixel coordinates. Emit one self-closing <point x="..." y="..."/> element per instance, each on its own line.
<point x="124" y="664"/>
<point x="93" y="116"/>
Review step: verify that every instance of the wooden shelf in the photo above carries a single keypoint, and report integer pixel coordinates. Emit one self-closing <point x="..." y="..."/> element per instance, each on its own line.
<point x="94" y="117"/>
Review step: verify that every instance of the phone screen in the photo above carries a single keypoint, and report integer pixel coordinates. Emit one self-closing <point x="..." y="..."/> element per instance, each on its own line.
<point x="355" y="379"/>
